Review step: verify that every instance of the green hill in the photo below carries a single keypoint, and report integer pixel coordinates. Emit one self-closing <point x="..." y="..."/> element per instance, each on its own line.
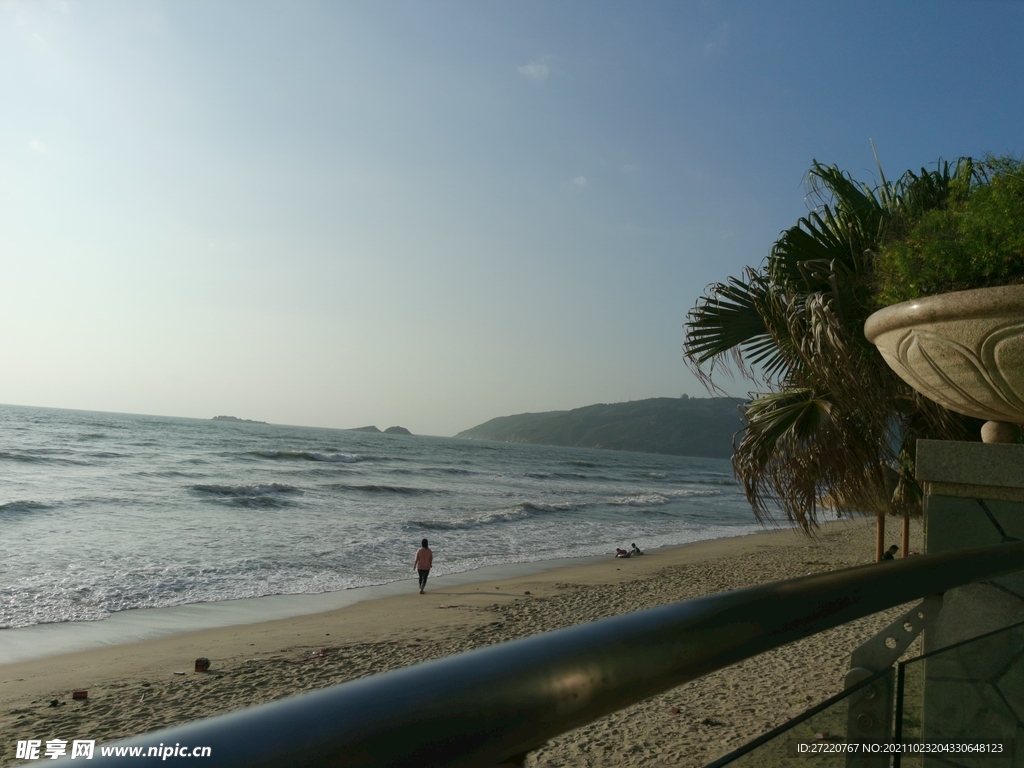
<point x="679" y="426"/>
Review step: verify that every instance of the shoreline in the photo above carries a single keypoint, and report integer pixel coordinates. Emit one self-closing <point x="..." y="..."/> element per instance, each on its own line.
<point x="140" y="686"/>
<point x="141" y="624"/>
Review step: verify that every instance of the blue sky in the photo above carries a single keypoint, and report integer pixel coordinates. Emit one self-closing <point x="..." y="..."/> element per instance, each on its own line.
<point x="434" y="213"/>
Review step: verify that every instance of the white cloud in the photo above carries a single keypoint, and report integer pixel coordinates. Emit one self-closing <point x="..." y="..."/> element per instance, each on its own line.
<point x="537" y="69"/>
<point x="37" y="146"/>
<point x="579" y="181"/>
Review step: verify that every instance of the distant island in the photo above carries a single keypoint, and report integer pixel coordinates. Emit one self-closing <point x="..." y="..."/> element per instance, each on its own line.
<point x="388" y="431"/>
<point x="235" y="418"/>
<point x="685" y="426"/>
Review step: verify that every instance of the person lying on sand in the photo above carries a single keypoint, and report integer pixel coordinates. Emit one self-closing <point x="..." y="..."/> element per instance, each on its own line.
<point x="621" y="553"/>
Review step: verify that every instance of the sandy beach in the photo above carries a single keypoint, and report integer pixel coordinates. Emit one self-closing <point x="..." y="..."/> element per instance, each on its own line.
<point x="142" y="686"/>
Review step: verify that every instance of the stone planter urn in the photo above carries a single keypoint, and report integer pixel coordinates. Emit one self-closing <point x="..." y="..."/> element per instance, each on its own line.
<point x="964" y="350"/>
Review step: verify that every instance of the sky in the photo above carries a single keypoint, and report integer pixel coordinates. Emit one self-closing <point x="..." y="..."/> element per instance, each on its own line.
<point x="430" y="214"/>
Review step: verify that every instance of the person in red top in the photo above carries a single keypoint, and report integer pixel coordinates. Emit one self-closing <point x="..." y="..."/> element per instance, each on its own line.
<point x="424" y="559"/>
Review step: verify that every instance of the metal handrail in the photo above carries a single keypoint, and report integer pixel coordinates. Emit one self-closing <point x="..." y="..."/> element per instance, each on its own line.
<point x="486" y="706"/>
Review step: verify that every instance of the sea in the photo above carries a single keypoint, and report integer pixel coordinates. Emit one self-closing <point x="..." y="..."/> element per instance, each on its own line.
<point x="103" y="513"/>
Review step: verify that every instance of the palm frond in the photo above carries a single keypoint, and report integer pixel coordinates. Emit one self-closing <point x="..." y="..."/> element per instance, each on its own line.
<point x="836" y="428"/>
<point x="725" y="318"/>
<point x="731" y="323"/>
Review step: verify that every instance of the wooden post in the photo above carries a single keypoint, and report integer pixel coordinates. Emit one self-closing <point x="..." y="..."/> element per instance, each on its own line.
<point x="879" y="536"/>
<point x="906" y="535"/>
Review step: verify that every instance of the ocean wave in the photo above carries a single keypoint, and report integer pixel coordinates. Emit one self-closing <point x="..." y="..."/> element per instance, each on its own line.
<point x="640" y="500"/>
<point x="521" y="511"/>
<point x="40" y="457"/>
<point x="525" y="510"/>
<point x="657" y="498"/>
<point x="23" y="507"/>
<point x="401" y="489"/>
<point x="560" y="476"/>
<point x="255" y="495"/>
<point x="333" y="458"/>
<point x="15" y="456"/>
<point x="707" y="481"/>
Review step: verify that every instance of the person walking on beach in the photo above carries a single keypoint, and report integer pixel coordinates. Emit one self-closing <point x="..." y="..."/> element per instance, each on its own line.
<point x="424" y="559"/>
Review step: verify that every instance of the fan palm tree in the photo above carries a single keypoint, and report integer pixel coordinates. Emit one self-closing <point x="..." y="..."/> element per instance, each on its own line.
<point x="831" y="425"/>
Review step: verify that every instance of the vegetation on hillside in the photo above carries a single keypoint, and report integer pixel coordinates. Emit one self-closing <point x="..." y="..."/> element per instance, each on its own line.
<point x="677" y="426"/>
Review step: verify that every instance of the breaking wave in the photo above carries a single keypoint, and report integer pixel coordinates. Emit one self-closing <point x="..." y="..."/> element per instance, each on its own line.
<point x="401" y="489"/>
<point x="333" y="458"/>
<point x="527" y="509"/>
<point x="256" y="495"/>
<point x="559" y="476"/>
<point x="449" y="471"/>
<point x="658" y="498"/>
<point x="513" y="514"/>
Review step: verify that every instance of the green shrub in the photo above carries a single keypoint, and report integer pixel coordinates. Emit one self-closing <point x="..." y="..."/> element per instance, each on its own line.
<point x="975" y="240"/>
